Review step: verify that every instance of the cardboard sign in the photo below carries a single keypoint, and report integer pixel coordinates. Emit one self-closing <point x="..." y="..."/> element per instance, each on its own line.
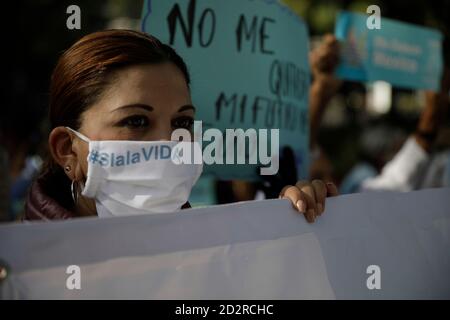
<point x="249" y="66"/>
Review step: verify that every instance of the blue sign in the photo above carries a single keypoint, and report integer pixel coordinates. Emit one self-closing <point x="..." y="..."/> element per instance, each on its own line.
<point x="402" y="54"/>
<point x="204" y="192"/>
<point x="249" y="66"/>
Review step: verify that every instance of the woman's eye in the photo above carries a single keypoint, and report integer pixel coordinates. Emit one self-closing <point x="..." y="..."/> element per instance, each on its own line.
<point x="135" y="122"/>
<point x="183" y="122"/>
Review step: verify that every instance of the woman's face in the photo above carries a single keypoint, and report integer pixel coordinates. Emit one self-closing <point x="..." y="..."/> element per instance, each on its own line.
<point x="143" y="102"/>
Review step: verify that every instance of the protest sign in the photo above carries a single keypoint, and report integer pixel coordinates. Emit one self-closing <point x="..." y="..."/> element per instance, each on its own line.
<point x="249" y="66"/>
<point x="377" y="245"/>
<point x="402" y="54"/>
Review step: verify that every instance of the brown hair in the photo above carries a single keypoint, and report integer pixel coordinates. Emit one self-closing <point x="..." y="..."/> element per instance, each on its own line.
<point x="82" y="74"/>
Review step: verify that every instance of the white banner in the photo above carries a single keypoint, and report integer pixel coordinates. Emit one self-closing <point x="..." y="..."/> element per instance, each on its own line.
<point x="365" y="246"/>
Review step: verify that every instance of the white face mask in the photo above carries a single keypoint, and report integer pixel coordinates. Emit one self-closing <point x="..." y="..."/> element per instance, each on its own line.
<point x="137" y="177"/>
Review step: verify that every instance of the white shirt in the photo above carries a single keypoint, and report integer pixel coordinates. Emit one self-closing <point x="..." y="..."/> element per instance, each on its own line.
<point x="412" y="168"/>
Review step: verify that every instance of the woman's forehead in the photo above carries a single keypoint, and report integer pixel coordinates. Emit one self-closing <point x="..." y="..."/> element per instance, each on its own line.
<point x="150" y="78"/>
<point x="160" y="86"/>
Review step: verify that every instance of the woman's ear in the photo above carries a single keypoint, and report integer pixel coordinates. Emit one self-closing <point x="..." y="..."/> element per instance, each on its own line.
<point x="60" y="143"/>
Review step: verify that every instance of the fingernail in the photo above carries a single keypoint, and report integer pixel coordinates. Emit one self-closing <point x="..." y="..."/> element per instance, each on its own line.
<point x="319" y="208"/>
<point x="311" y="215"/>
<point x="301" y="206"/>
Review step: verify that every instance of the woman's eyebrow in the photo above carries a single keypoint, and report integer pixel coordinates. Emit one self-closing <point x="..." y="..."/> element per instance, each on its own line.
<point x="136" y="105"/>
<point x="186" y="107"/>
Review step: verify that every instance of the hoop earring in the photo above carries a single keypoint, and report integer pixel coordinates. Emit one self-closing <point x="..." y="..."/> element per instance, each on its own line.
<point x="74" y="191"/>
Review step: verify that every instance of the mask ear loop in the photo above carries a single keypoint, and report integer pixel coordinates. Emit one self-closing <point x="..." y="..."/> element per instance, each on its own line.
<point x="79" y="135"/>
<point x="74" y="184"/>
<point x="74" y="191"/>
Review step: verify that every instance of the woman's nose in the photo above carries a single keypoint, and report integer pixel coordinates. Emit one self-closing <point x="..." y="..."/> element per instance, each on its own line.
<point x="161" y="134"/>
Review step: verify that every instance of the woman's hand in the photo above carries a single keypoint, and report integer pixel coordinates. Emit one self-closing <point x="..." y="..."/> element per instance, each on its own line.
<point x="309" y="197"/>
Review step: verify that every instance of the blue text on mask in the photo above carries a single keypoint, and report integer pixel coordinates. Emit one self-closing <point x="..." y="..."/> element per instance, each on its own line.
<point x="113" y="159"/>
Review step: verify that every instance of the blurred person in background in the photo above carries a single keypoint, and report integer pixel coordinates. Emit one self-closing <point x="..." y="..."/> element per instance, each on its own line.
<point x="377" y="144"/>
<point x="422" y="162"/>
<point x="323" y="61"/>
<point x="20" y="162"/>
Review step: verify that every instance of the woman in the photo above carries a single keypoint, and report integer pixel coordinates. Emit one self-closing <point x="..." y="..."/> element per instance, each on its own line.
<point x="115" y="90"/>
